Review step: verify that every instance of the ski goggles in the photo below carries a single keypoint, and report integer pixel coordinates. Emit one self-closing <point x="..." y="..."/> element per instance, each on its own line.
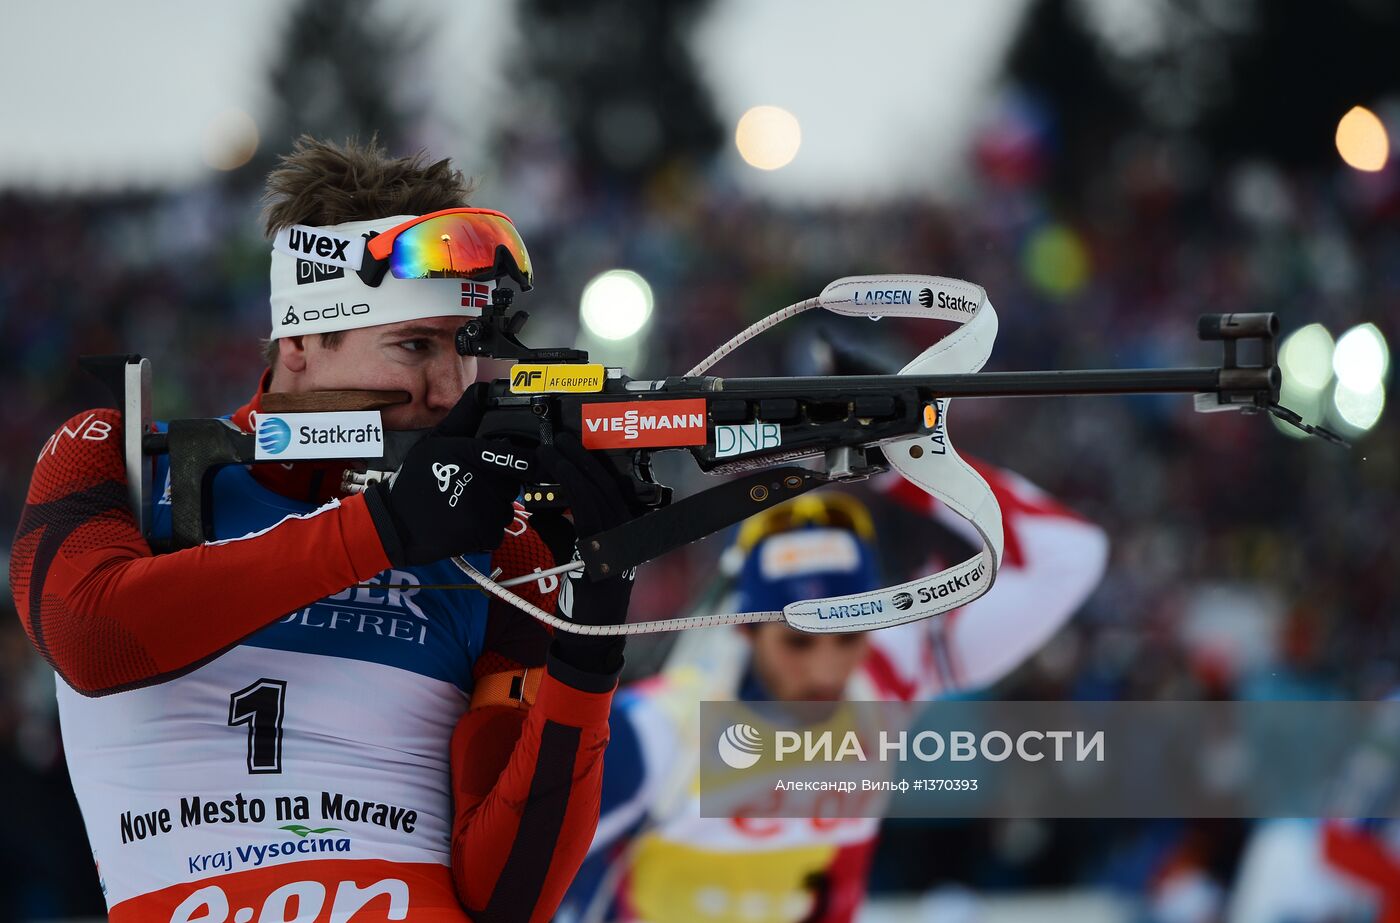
<point x="456" y="243"/>
<point x="828" y="509"/>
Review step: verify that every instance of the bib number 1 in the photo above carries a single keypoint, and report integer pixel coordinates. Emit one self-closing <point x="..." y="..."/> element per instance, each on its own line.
<point x="261" y="706"/>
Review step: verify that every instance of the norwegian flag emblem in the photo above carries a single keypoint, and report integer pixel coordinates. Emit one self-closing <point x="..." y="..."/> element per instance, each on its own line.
<point x="476" y="295"/>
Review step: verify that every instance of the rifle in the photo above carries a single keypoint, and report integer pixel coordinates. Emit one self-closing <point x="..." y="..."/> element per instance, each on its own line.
<point x="846" y="428"/>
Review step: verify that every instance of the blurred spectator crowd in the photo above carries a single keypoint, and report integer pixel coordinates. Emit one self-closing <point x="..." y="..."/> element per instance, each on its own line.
<point x="1245" y="564"/>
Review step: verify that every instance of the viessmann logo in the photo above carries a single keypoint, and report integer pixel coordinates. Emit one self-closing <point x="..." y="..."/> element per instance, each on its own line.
<point x="644" y="424"/>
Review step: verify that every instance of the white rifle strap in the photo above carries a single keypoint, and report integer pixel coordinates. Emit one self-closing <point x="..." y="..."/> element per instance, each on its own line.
<point x="928" y="460"/>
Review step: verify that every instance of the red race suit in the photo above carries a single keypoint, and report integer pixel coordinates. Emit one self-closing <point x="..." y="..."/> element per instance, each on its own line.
<point x="278" y="725"/>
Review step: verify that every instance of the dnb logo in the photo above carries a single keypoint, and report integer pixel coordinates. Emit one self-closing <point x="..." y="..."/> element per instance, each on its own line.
<point x="274" y="435"/>
<point x="903" y="601"/>
<point x="309" y="271"/>
<point x="740" y="746"/>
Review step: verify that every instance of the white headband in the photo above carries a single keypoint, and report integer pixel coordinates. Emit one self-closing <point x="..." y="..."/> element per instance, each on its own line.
<point x="315" y="288"/>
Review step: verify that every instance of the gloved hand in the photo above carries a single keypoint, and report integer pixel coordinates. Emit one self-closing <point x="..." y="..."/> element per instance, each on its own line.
<point x="454" y="492"/>
<point x="598" y="501"/>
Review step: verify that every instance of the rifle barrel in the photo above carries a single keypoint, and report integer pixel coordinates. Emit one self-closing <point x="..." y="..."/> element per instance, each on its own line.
<point x="1013" y="384"/>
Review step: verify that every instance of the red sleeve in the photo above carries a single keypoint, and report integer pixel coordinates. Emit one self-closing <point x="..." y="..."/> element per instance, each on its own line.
<point x="527" y="785"/>
<point x="527" y="782"/>
<point x="109" y="615"/>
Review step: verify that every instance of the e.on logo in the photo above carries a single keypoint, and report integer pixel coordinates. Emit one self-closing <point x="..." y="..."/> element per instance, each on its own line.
<point x="304" y="900"/>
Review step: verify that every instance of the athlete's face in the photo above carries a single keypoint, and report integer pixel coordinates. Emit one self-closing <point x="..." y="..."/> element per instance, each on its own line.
<point x="417" y="356"/>
<point x="795" y="666"/>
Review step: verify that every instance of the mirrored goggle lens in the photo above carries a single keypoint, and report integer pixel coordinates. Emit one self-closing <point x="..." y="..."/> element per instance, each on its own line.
<point x="467" y="246"/>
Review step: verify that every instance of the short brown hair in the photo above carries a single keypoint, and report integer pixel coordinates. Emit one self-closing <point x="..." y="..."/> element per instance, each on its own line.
<point x="322" y="183"/>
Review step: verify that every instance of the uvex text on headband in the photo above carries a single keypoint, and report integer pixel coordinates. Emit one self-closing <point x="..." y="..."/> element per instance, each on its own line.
<point x="357" y="274"/>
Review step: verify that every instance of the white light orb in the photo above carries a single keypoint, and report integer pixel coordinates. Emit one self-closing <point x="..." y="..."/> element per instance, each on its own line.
<point x="616" y="304"/>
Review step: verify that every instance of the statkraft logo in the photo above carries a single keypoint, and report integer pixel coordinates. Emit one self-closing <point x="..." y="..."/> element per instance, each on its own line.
<point x="274" y="435"/>
<point x="740" y="746"/>
<point x="289" y="436"/>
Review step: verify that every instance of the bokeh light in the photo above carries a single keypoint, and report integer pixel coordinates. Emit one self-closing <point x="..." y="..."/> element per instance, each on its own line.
<point x="1362" y="140"/>
<point x="1306" y="358"/>
<point x="1361" y="358"/>
<point x="768" y="137"/>
<point x="615" y="304"/>
<point x="1359" y="409"/>
<point x="230" y="140"/>
<point x="1056" y="261"/>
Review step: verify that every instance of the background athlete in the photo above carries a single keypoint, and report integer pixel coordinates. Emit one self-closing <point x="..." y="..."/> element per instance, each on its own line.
<point x="655" y="858"/>
<point x="280" y="718"/>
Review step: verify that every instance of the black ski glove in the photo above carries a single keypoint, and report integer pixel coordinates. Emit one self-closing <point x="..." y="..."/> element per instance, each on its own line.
<point x="598" y="500"/>
<point x="454" y="493"/>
